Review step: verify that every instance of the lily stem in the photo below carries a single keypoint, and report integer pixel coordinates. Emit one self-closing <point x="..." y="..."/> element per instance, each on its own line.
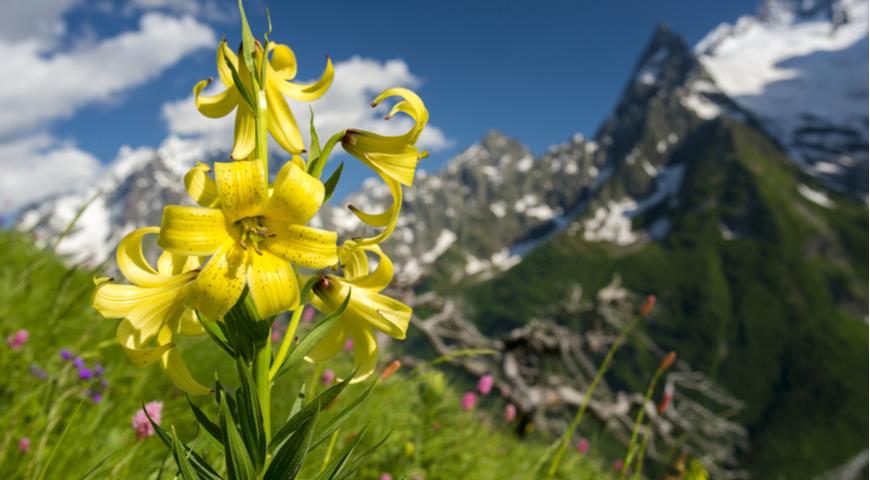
<point x="264" y="387"/>
<point x="286" y="342"/>
<point x="569" y="432"/>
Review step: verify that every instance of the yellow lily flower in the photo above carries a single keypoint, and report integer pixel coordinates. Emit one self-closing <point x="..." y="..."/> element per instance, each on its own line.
<point x="280" y="70"/>
<point x="393" y="158"/>
<point x="152" y="307"/>
<point x="252" y="235"/>
<point x="368" y="309"/>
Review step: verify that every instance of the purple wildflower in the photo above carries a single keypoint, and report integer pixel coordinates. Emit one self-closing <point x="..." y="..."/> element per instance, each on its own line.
<point x="38" y="372"/>
<point x="65" y="355"/>
<point x="79" y="363"/>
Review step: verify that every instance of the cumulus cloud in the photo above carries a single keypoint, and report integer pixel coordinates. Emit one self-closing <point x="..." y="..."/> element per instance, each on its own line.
<point x="346" y="104"/>
<point x="37" y="165"/>
<point x="39" y="20"/>
<point x="48" y="87"/>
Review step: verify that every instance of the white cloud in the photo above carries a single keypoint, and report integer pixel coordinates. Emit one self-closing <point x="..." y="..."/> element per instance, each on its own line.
<point x="39" y="20"/>
<point x="346" y="104"/>
<point x="38" y="165"/>
<point x="41" y="88"/>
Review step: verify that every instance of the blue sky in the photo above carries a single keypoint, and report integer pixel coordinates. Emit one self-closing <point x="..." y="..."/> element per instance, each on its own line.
<point x="536" y="70"/>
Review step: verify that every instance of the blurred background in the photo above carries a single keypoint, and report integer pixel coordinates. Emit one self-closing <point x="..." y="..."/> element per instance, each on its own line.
<point x="582" y="156"/>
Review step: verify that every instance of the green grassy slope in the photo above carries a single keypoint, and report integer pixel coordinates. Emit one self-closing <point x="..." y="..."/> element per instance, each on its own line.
<point x="430" y="435"/>
<point x="776" y="314"/>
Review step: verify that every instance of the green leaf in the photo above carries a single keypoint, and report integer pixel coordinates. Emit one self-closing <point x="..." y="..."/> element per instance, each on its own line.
<point x="357" y="462"/>
<point x="218" y="389"/>
<point x="239" y="465"/>
<point x="203" y="469"/>
<point x="314" y="148"/>
<point x="184" y="466"/>
<point x="313" y="338"/>
<point x="338" y="463"/>
<point x="296" y="421"/>
<point x="246" y="331"/>
<point x="331" y="182"/>
<point x="216" y="333"/>
<point x="237" y="80"/>
<point x="247" y="42"/>
<point x="211" y="429"/>
<point x="250" y="416"/>
<point x="291" y="456"/>
<point x="343" y="416"/>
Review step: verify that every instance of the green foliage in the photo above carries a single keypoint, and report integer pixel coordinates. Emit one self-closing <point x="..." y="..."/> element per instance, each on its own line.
<point x="774" y="313"/>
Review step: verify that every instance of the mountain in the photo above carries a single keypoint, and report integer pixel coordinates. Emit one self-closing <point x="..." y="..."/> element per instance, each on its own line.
<point x="759" y="268"/>
<point x="801" y="67"/>
<point x="738" y="210"/>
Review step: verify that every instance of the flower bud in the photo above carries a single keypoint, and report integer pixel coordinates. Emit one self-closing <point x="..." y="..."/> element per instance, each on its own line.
<point x="666" y="399"/>
<point x="391" y="369"/>
<point x="648" y="305"/>
<point x="668" y="361"/>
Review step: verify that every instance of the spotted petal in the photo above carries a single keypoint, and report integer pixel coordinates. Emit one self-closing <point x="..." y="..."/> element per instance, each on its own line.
<point x="306" y="246"/>
<point x="241" y="188"/>
<point x="296" y="196"/>
<point x="272" y="283"/>
<point x="220" y="283"/>
<point x="192" y="231"/>
<point x="201" y="187"/>
<point x="175" y="368"/>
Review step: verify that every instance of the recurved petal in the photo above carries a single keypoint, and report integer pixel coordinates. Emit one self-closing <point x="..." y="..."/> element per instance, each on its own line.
<point x="272" y="283"/>
<point x="296" y="196"/>
<point x="216" y="106"/>
<point x="306" y="246"/>
<point x="188" y="324"/>
<point x="241" y="188"/>
<point x="175" y="368"/>
<point x="412" y="105"/>
<point x="379" y="311"/>
<point x="130" y="341"/>
<point x="169" y="263"/>
<point x="280" y="121"/>
<point x="245" y="133"/>
<point x="396" y="162"/>
<point x="365" y="352"/>
<point x="201" y="187"/>
<point x="386" y="219"/>
<point x="361" y="278"/>
<point x="330" y="345"/>
<point x="310" y="91"/>
<point x="223" y="69"/>
<point x="192" y="231"/>
<point x="146" y="309"/>
<point x="131" y="259"/>
<point x="220" y="283"/>
<point x="283" y="61"/>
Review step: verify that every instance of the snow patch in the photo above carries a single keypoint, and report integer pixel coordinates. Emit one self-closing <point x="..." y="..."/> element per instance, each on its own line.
<point x="815" y="196"/>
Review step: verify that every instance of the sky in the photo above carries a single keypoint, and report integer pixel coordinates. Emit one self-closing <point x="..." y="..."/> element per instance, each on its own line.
<point x="86" y="78"/>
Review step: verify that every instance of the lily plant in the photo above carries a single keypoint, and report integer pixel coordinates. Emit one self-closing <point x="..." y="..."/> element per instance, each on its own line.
<point x="246" y="254"/>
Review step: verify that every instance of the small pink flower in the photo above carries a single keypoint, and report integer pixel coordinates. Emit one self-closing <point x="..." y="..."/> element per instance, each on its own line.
<point x="17" y="339"/>
<point x="24" y="445"/>
<point x="468" y="401"/>
<point x="484" y="385"/>
<point x="583" y="446"/>
<point x="328" y="376"/>
<point x="141" y="424"/>
<point x="386" y="476"/>
<point x="348" y="345"/>
<point x="510" y="413"/>
<point x="617" y="464"/>
<point x="308" y="314"/>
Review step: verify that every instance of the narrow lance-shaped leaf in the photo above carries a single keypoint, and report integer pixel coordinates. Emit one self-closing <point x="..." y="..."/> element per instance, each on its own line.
<point x="357" y="462"/>
<point x="291" y="456"/>
<point x="306" y="412"/>
<point x="315" y="142"/>
<point x="202" y="467"/>
<point x="247" y="41"/>
<point x="343" y="416"/>
<point x="250" y="416"/>
<point x="180" y="455"/>
<point x="313" y="338"/>
<point x="211" y="429"/>
<point x="239" y="465"/>
<point x="332" y="182"/>
<point x="336" y="466"/>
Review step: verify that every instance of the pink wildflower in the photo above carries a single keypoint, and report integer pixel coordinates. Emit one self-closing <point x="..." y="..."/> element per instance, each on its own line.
<point x="328" y="377"/>
<point x="348" y="345"/>
<point x="24" y="445"/>
<point x="386" y="476"/>
<point x="510" y="413"/>
<point x="617" y="464"/>
<point x="17" y="339"/>
<point x="468" y="401"/>
<point x="308" y="314"/>
<point x="141" y="424"/>
<point x="583" y="446"/>
<point x="484" y="385"/>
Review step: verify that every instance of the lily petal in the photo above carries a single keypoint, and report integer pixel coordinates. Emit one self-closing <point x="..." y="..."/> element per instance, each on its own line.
<point x="307" y="92"/>
<point x="192" y="231"/>
<point x="280" y="120"/>
<point x="220" y="283"/>
<point x="296" y="196"/>
<point x="216" y="106"/>
<point x="272" y="283"/>
<point x="128" y="337"/>
<point x="365" y="352"/>
<point x="245" y="133"/>
<point x="306" y="246"/>
<point x="201" y="187"/>
<point x="358" y="274"/>
<point x="223" y="69"/>
<point x="170" y="264"/>
<point x="188" y="324"/>
<point x="366" y="307"/>
<point x="283" y="61"/>
<point x="386" y="219"/>
<point x="412" y="105"/>
<point x="131" y="259"/>
<point x="331" y="343"/>
<point x="241" y="188"/>
<point x="175" y="368"/>
<point x="146" y="309"/>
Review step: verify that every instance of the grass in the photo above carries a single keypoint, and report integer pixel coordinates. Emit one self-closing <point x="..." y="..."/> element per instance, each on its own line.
<point x="73" y="437"/>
